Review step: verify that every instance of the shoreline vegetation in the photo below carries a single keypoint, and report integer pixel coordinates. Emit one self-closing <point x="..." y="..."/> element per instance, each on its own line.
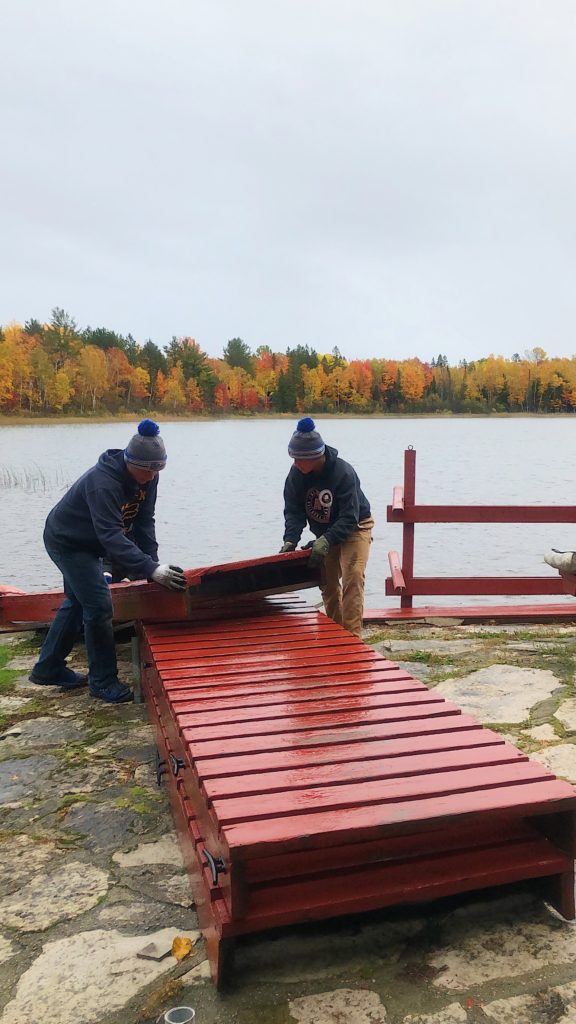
<point x="27" y="420"/>
<point x="57" y="371"/>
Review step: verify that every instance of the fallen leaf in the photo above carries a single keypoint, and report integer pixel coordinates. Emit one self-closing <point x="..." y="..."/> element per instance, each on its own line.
<point x="181" y="947"/>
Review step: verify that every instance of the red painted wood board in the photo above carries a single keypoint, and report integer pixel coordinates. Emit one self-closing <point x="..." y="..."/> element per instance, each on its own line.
<point x="412" y="513"/>
<point x="199" y="700"/>
<point x="313" y="779"/>
<point x="539" y="796"/>
<point x="215" y="587"/>
<point x="515" y="586"/>
<point x="440" y="735"/>
<point x="474" y="613"/>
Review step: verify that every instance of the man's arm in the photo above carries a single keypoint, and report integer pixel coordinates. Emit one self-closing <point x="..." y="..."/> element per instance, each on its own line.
<point x="294" y="515"/>
<point x="104" y="507"/>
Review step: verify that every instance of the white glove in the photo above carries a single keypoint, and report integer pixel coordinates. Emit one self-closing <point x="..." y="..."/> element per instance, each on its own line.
<point x="564" y="561"/>
<point x="170" y="576"/>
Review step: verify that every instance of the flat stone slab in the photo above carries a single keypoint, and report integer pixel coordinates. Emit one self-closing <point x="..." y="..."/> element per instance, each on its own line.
<point x="42" y="732"/>
<point x="452" y="1014"/>
<point x="21" y="858"/>
<point x="105" y="828"/>
<point x="560" y="759"/>
<point x="58" y="896"/>
<point x="159" y="885"/>
<point x="165" y="851"/>
<point x="417" y="669"/>
<point x="474" y="956"/>
<point x="86" y="977"/>
<point x="431" y="646"/>
<point x="22" y="662"/>
<point x="500" y="693"/>
<point x="354" y="1006"/>
<point x="24" y="777"/>
<point x="543" y="1006"/>
<point x="143" y="916"/>
<point x="566" y="714"/>
<point x="542" y="733"/>
<point x="10" y="704"/>
<point x="7" y="949"/>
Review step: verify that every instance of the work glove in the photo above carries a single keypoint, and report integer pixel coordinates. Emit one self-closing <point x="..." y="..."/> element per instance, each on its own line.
<point x="170" y="576"/>
<point x="287" y="546"/>
<point x="319" y="548"/>
<point x="564" y="561"/>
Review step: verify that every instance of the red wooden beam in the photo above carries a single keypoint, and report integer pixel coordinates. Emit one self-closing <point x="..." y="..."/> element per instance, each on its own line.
<point x="513" y="585"/>
<point x="208" y="587"/>
<point x="397" y="582"/>
<point x="413" y="513"/>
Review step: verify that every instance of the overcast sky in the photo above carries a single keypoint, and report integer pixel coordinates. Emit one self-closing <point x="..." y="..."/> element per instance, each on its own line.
<point x="394" y="177"/>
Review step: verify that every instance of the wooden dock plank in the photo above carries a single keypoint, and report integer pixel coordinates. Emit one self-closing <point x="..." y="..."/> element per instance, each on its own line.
<point x="342" y="774"/>
<point x="328" y="720"/>
<point x="464" y="733"/>
<point x="331" y="704"/>
<point x="380" y="792"/>
<point x="540" y="796"/>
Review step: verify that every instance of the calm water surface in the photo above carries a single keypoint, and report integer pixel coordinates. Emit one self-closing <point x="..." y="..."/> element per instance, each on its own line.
<point x="220" y="497"/>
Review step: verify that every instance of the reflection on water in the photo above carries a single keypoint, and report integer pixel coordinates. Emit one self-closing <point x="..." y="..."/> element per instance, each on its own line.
<point x="220" y="496"/>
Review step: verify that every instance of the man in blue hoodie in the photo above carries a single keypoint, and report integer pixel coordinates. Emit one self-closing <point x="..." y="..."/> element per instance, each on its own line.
<point x="324" y="491"/>
<point x="108" y="512"/>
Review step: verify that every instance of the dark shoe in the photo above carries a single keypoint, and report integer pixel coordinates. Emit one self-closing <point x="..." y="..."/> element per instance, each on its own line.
<point x="67" y="679"/>
<point x="114" y="693"/>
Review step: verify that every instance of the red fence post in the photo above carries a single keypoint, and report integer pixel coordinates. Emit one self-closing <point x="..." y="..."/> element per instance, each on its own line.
<point x="408" y="528"/>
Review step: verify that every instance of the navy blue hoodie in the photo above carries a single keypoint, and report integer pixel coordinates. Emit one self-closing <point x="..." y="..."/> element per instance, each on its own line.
<point x="331" y="501"/>
<point x="109" y="514"/>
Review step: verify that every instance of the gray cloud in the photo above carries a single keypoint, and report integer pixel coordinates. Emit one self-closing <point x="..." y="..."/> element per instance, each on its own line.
<point x="395" y="179"/>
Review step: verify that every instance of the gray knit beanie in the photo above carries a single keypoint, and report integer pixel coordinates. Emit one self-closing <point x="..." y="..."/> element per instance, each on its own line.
<point x="306" y="442"/>
<point x="146" y="449"/>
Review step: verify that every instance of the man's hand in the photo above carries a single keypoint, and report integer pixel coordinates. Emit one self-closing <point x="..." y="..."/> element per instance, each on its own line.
<point x="287" y="546"/>
<point x="319" y="549"/>
<point x="170" y="576"/>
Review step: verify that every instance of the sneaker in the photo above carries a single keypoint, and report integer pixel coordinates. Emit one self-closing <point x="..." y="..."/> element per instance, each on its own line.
<point x="67" y="679"/>
<point x="114" y="693"/>
<point x="564" y="561"/>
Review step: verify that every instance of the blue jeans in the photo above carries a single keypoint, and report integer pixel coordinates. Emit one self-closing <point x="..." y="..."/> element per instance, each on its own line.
<point x="87" y="600"/>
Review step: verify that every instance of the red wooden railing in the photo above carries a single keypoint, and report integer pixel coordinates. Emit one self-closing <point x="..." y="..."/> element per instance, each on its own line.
<point x="404" y="510"/>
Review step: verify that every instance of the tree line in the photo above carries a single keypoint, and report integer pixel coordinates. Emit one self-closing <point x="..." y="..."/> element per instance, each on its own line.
<point x="56" y="368"/>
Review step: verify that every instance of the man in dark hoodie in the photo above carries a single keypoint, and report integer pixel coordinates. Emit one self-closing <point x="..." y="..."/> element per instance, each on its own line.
<point x="108" y="512"/>
<point x="325" y="491"/>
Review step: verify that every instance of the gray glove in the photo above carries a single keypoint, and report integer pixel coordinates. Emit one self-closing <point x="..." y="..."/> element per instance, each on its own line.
<point x="319" y="549"/>
<point x="170" y="576"/>
<point x="287" y="546"/>
<point x="564" y="561"/>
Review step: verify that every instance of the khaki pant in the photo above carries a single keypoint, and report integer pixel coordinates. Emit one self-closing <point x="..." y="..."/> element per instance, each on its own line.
<point x="343" y="575"/>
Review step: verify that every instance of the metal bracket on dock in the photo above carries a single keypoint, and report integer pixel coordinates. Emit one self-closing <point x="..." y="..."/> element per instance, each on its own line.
<point x="176" y="763"/>
<point x="216" y="865"/>
<point x="159" y="767"/>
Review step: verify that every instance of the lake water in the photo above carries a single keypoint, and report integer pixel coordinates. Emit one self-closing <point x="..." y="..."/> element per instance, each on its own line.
<point x="220" y="497"/>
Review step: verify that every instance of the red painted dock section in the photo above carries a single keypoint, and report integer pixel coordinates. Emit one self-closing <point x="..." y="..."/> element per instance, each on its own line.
<point x="310" y="777"/>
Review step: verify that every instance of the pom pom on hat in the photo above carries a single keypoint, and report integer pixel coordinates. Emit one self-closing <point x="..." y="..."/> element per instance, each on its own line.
<point x="305" y="425"/>
<point x="306" y="442"/>
<point x="147" y="428"/>
<point x="146" y="449"/>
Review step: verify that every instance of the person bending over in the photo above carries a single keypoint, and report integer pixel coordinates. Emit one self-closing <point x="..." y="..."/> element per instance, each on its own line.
<point x="108" y="512"/>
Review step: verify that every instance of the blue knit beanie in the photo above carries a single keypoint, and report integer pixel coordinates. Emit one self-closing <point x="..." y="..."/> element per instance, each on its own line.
<point x="306" y="442"/>
<point x="146" y="449"/>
